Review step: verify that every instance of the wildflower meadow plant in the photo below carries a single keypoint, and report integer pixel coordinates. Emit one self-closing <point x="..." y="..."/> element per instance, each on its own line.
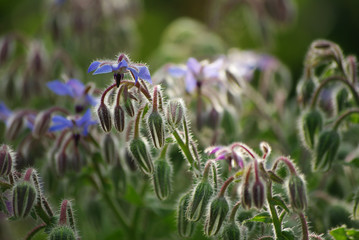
<point x="119" y="153"/>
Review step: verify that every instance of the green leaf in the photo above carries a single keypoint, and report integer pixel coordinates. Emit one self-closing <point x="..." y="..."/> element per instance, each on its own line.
<point x="288" y="234"/>
<point x="263" y="217"/>
<point x="277" y="201"/>
<point x="33" y="214"/>
<point x="342" y="233"/>
<point x="132" y="196"/>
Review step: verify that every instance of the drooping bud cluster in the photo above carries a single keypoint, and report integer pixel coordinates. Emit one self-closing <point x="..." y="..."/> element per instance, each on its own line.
<point x="297" y="193"/>
<point x="141" y="155"/>
<point x="6" y="160"/>
<point x="199" y="200"/>
<point x="104" y="115"/>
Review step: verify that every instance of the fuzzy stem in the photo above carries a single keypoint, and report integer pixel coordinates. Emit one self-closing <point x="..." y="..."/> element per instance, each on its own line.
<point x="154" y="100"/>
<point x="47" y="207"/>
<point x="330" y="79"/>
<point x="304" y="223"/>
<point x="164" y="151"/>
<point x="105" y="93"/>
<point x="343" y="116"/>
<point x="34" y="231"/>
<point x="143" y="90"/>
<point x="287" y="162"/>
<point x="234" y="211"/>
<point x="224" y="186"/>
<point x="206" y="169"/>
<point x="185" y="149"/>
<point x="119" y="96"/>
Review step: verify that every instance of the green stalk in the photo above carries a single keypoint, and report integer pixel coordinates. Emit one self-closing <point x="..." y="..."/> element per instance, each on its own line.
<point x="273" y="211"/>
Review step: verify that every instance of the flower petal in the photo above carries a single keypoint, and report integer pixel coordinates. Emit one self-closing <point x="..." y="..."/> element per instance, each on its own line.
<point x="93" y="66"/>
<point x="176" y="72"/>
<point x="5" y="112"/>
<point x="212" y="70"/>
<point x="191" y="82"/>
<point x="104" y="69"/>
<point x="123" y="63"/>
<point x="144" y="74"/>
<point x="59" y="88"/>
<point x="85" y="118"/>
<point x="194" y="65"/>
<point x="77" y="87"/>
<point x="134" y="73"/>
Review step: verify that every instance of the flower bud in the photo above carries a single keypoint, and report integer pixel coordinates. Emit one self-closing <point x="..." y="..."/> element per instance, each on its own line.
<point x="324" y="50"/>
<point x="297" y="193"/>
<point x="109" y="150"/>
<point x="119" y="118"/>
<point x="217" y="212"/>
<point x="231" y="231"/>
<point x="129" y="108"/>
<point x="42" y="124"/>
<point x="141" y="155"/>
<point x="23" y="196"/>
<point x="5" y="160"/>
<point x="326" y="149"/>
<point x="175" y="112"/>
<point x="104" y="116"/>
<point x="305" y="90"/>
<point x="162" y="178"/>
<point x="258" y="194"/>
<point x="62" y="233"/>
<point x="157" y="129"/>
<point x="61" y="162"/>
<point x="199" y="200"/>
<point x="311" y="124"/>
<point x="14" y="125"/>
<point x="185" y="227"/>
<point x="341" y="100"/>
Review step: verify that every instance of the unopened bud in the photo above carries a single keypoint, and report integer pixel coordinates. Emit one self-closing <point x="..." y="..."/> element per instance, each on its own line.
<point x="62" y="233"/>
<point x="184" y="226"/>
<point x="14" y="125"/>
<point x="104" y="116"/>
<point x="129" y="108"/>
<point x="217" y="212"/>
<point x="326" y="149"/>
<point x="297" y="193"/>
<point x="157" y="129"/>
<point x="24" y="196"/>
<point x="162" y="177"/>
<point x="6" y="159"/>
<point x="141" y="155"/>
<point x="306" y="89"/>
<point x="119" y="118"/>
<point x="109" y="150"/>
<point x="341" y="100"/>
<point x="42" y="124"/>
<point x="61" y="162"/>
<point x="175" y="112"/>
<point x="199" y="200"/>
<point x="258" y="194"/>
<point x="311" y="124"/>
<point x="231" y="231"/>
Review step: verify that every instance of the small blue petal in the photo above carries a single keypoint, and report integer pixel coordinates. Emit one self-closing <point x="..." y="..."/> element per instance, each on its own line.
<point x="176" y="72"/>
<point x="58" y="127"/>
<point x="60" y="119"/>
<point x="91" y="100"/>
<point x="191" y="82"/>
<point x="104" y="69"/>
<point x="4" y="112"/>
<point x="59" y="88"/>
<point x="77" y="87"/>
<point x="194" y="65"/>
<point x="212" y="70"/>
<point x="93" y="66"/>
<point x="85" y="118"/>
<point x="134" y="72"/>
<point x="144" y="74"/>
<point x="122" y="64"/>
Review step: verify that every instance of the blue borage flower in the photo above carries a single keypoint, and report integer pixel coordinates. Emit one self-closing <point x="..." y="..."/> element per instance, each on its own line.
<point x="196" y="72"/>
<point x="120" y="67"/>
<point x="75" y="89"/>
<point x="8" y="116"/>
<point x="75" y="124"/>
<point x="227" y="153"/>
<point x="5" y="112"/>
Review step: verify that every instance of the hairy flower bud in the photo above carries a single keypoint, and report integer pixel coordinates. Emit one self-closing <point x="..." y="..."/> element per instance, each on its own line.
<point x="324" y="50"/>
<point x="157" y="129"/>
<point x="109" y="150"/>
<point x="258" y="194"/>
<point x="185" y="227"/>
<point x="162" y="178"/>
<point x="141" y="155"/>
<point x="231" y="231"/>
<point x="104" y="116"/>
<point x="305" y="91"/>
<point x="119" y="118"/>
<point x="129" y="108"/>
<point x="326" y="149"/>
<point x="42" y="124"/>
<point x="24" y="196"/>
<point x="61" y="162"/>
<point x="175" y="112"/>
<point x="341" y="100"/>
<point x="217" y="212"/>
<point x="5" y="160"/>
<point x="311" y="124"/>
<point x="62" y="232"/>
<point x="297" y="193"/>
<point x="14" y="125"/>
<point x="199" y="200"/>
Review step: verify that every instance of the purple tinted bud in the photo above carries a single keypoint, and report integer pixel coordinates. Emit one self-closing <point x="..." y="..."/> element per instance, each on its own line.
<point x="258" y="194"/>
<point x="104" y="116"/>
<point x="175" y="112"/>
<point x="297" y="193"/>
<point x="14" y="125"/>
<point x="119" y="118"/>
<point x="61" y="163"/>
<point x="246" y="196"/>
<point x="42" y="124"/>
<point x="217" y="212"/>
<point x="6" y="159"/>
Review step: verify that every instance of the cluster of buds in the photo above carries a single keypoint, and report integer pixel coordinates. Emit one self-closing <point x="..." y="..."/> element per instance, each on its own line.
<point x="6" y="160"/>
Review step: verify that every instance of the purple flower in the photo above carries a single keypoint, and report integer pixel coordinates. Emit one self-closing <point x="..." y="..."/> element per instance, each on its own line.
<point x="195" y="72"/>
<point x="75" y="124"/>
<point x="120" y="67"/>
<point x="75" y="89"/>
<point x="5" y="112"/>
<point x="8" y="116"/>
<point x="229" y="154"/>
